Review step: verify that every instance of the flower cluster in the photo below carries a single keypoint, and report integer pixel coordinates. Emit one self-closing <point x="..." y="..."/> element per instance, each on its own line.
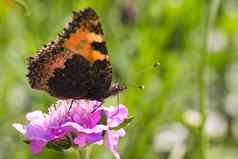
<point x="75" y="123"/>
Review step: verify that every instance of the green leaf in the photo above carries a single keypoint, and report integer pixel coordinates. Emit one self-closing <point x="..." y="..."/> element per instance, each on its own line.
<point x="103" y="118"/>
<point x="27" y="141"/>
<point x="60" y="145"/>
<point x="126" y="122"/>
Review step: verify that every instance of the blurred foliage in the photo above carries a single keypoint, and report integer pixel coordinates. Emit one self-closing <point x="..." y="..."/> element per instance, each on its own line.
<point x="139" y="33"/>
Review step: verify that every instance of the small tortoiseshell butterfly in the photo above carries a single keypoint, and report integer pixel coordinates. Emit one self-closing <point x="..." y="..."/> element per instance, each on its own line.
<point x="76" y="65"/>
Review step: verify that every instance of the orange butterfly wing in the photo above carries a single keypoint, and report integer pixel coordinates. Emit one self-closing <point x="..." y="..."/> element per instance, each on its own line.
<point x="82" y="32"/>
<point x="83" y="36"/>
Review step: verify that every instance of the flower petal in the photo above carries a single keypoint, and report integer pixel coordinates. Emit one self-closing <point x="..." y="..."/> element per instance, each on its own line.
<point x="94" y="137"/>
<point x="37" y="146"/>
<point x="19" y="128"/>
<point x="81" y="140"/>
<point x="112" y="140"/>
<point x="116" y="154"/>
<point x="37" y="133"/>
<point x="116" y="115"/>
<point x="69" y="126"/>
<point x="35" y="116"/>
<point x="95" y="117"/>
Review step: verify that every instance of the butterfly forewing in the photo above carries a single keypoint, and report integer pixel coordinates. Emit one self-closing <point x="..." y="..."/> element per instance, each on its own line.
<point x="77" y="64"/>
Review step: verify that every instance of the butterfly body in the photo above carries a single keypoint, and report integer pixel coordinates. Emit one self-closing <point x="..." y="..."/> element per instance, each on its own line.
<point x="77" y="65"/>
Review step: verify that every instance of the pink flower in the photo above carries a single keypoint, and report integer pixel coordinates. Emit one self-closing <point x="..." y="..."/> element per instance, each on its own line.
<point x="84" y="123"/>
<point x="115" y="116"/>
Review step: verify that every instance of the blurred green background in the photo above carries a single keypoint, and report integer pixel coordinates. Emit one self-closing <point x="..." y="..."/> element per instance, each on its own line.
<point x="168" y="122"/>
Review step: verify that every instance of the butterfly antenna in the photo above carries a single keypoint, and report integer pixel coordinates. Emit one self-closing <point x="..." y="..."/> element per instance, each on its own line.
<point x="142" y="87"/>
<point x="154" y="66"/>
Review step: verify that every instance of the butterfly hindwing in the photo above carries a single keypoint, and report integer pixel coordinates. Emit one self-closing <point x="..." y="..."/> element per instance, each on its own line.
<point x="90" y="81"/>
<point x="43" y="65"/>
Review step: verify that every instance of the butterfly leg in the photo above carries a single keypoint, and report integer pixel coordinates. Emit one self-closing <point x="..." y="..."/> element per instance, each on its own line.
<point x="118" y="101"/>
<point x="71" y="104"/>
<point x="98" y="106"/>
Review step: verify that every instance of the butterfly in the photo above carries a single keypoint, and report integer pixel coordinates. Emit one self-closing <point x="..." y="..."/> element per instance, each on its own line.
<point x="76" y="65"/>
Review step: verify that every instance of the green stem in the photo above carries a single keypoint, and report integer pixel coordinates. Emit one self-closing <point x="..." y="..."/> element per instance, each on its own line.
<point x="211" y="13"/>
<point x="83" y="153"/>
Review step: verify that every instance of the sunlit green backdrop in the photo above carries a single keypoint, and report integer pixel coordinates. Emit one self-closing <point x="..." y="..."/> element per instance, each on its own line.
<point x="139" y="33"/>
